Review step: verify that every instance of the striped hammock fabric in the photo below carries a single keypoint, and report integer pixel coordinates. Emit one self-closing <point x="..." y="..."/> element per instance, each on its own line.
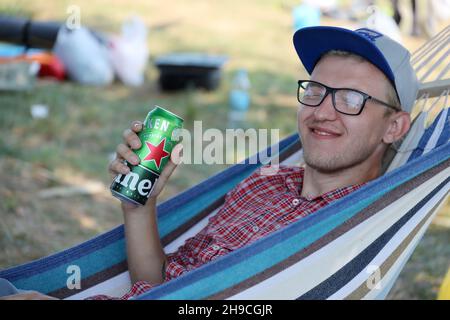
<point x="354" y="248"/>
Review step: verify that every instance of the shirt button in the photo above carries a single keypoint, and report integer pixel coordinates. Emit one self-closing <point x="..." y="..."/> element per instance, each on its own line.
<point x="191" y="260"/>
<point x="255" y="228"/>
<point x="295" y="202"/>
<point x="215" y="247"/>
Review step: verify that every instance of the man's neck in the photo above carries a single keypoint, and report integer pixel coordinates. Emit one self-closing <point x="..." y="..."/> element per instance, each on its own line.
<point x="316" y="183"/>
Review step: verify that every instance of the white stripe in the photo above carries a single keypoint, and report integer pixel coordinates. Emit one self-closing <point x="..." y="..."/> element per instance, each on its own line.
<point x="309" y="272"/>
<point x="437" y="132"/>
<point x="116" y="287"/>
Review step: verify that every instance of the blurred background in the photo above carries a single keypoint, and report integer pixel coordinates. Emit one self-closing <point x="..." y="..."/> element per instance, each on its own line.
<point x="227" y="63"/>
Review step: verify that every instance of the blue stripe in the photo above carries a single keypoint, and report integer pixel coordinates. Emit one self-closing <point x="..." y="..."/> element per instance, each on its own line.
<point x="45" y="264"/>
<point x="420" y="149"/>
<point x="55" y="278"/>
<point x="445" y="136"/>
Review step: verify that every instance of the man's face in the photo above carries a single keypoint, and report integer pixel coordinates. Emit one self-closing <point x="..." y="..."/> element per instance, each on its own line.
<point x="333" y="141"/>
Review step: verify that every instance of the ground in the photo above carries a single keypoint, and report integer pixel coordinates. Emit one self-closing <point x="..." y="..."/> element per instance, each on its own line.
<point x="55" y="191"/>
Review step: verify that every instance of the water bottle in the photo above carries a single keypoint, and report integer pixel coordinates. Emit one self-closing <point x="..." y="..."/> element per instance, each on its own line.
<point x="239" y="98"/>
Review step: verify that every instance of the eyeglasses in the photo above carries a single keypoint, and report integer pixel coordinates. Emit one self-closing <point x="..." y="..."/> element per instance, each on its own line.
<point x="346" y="101"/>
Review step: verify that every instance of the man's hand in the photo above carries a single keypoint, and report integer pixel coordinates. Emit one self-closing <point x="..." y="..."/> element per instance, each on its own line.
<point x="124" y="152"/>
<point x="30" y="295"/>
<point x="146" y="257"/>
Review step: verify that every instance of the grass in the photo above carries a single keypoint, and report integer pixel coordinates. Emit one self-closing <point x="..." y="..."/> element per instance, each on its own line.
<point x="74" y="144"/>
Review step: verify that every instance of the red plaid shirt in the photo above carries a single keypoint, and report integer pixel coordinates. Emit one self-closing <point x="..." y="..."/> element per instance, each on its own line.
<point x="258" y="206"/>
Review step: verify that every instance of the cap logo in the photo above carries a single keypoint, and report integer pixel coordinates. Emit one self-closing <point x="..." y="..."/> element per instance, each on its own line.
<point x="372" y="35"/>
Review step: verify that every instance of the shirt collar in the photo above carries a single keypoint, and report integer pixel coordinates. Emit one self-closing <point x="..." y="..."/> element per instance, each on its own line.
<point x="294" y="182"/>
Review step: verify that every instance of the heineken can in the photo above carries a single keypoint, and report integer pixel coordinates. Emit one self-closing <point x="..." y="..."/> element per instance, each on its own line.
<point x="158" y="137"/>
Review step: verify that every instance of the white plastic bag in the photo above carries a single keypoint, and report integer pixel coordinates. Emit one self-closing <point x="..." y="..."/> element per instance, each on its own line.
<point x="383" y="23"/>
<point x="129" y="52"/>
<point x="85" y="58"/>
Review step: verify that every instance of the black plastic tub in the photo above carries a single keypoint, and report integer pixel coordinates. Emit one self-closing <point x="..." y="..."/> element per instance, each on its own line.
<point x="177" y="71"/>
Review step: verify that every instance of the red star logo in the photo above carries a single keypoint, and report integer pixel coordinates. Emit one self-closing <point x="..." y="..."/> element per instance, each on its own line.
<point x="156" y="153"/>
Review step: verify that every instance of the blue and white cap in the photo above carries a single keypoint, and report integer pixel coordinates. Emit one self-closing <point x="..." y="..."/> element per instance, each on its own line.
<point x="388" y="55"/>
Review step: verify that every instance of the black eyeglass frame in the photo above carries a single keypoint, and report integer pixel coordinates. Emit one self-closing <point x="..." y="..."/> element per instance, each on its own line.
<point x="333" y="91"/>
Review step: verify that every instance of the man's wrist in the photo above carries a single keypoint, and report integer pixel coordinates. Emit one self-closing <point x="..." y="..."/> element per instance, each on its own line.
<point x="149" y="207"/>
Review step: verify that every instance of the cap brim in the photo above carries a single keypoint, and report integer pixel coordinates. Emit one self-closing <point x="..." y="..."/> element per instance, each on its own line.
<point x="312" y="42"/>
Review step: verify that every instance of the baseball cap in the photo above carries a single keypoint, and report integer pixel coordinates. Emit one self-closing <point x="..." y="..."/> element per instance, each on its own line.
<point x="388" y="55"/>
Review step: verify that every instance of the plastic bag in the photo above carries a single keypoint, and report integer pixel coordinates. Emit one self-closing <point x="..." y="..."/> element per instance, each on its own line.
<point x="383" y="23"/>
<point x="85" y="58"/>
<point x="129" y="52"/>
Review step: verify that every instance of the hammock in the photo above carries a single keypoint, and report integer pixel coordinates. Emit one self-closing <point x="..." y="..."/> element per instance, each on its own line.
<point x="354" y="248"/>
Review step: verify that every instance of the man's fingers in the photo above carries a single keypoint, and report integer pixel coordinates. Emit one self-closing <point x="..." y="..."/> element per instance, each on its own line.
<point x="137" y="126"/>
<point x="131" y="138"/>
<point x="117" y="166"/>
<point x="127" y="154"/>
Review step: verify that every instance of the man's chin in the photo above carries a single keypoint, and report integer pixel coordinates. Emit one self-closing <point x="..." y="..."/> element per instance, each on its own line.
<point x="334" y="164"/>
<point x="325" y="165"/>
<point x="323" y="168"/>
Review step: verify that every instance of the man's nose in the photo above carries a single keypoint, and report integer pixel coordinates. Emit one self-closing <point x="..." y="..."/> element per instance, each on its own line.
<point x="326" y="111"/>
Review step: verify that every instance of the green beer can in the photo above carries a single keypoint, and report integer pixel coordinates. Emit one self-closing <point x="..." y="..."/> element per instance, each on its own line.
<point x="158" y="137"/>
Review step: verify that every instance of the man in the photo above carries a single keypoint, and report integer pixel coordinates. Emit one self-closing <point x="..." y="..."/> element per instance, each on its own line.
<point x="355" y="105"/>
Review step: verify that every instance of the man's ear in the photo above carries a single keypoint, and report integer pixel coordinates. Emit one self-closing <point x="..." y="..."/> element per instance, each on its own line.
<point x="398" y="125"/>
